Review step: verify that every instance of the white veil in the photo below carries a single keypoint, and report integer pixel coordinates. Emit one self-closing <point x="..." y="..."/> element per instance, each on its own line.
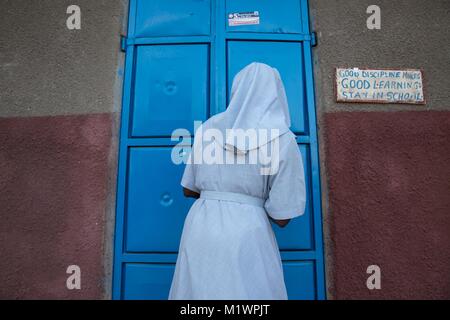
<point x="258" y="101"/>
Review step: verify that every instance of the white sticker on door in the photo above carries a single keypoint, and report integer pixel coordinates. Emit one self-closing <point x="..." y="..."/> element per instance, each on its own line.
<point x="243" y="18"/>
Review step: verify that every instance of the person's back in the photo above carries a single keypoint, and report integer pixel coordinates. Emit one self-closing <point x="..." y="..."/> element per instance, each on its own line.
<point x="243" y="172"/>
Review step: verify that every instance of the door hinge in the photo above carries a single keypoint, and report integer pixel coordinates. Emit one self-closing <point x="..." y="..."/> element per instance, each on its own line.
<point x="123" y="43"/>
<point x="313" y="39"/>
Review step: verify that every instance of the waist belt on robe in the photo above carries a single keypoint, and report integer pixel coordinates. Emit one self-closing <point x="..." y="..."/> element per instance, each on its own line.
<point x="233" y="197"/>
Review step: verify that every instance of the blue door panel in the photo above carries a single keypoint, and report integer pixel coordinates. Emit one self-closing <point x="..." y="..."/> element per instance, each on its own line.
<point x="299" y="278"/>
<point x="152" y="281"/>
<point x="172" y="17"/>
<point x="285" y="17"/>
<point x="147" y="281"/>
<point x="297" y="235"/>
<point x="181" y="57"/>
<point x="287" y="58"/>
<point x="171" y="88"/>
<point x="156" y="207"/>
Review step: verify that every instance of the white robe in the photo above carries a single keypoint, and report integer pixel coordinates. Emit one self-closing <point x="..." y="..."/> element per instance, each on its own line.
<point x="228" y="249"/>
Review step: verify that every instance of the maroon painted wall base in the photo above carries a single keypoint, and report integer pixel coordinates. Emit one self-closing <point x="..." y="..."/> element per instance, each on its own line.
<point x="389" y="182"/>
<point x="389" y="200"/>
<point x="53" y="179"/>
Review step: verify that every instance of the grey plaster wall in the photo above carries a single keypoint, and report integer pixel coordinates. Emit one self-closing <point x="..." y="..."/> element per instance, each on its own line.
<point x="414" y="34"/>
<point x="48" y="69"/>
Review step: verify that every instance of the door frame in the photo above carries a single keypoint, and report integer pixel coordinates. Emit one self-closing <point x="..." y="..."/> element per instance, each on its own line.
<point x="218" y="63"/>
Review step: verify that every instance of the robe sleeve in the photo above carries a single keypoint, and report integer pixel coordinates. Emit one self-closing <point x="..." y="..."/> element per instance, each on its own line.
<point x="287" y="190"/>
<point x="188" y="179"/>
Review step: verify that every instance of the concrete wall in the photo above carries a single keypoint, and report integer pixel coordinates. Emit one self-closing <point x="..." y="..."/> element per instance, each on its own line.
<point x="60" y="97"/>
<point x="385" y="168"/>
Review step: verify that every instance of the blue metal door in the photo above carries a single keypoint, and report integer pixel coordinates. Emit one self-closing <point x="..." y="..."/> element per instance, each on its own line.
<point x="181" y="57"/>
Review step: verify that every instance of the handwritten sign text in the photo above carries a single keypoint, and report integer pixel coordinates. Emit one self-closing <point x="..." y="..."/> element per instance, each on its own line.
<point x="379" y="86"/>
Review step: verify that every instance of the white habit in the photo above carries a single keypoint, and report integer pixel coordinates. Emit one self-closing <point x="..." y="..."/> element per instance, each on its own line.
<point x="228" y="249"/>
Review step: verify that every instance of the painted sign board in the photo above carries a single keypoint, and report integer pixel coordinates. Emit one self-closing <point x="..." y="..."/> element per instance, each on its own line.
<point x="379" y="86"/>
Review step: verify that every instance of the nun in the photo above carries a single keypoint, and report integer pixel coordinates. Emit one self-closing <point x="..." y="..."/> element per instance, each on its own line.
<point x="228" y="250"/>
